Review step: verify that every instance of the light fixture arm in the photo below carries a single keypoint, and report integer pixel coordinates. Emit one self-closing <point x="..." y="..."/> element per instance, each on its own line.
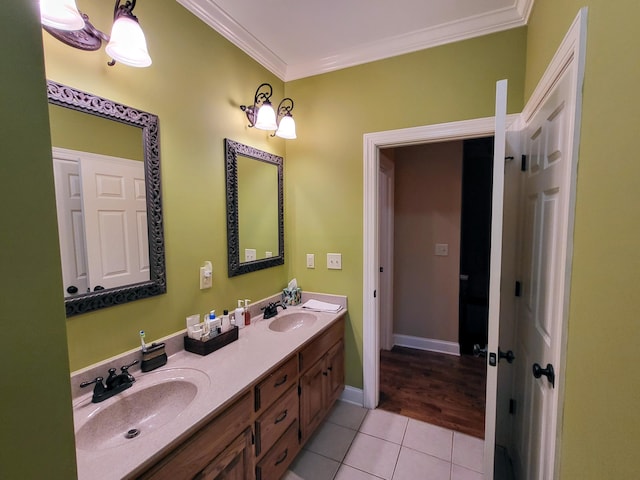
<point x="261" y="97"/>
<point x="126" y="9"/>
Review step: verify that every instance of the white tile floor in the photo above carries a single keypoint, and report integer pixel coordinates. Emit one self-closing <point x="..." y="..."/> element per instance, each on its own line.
<point x="359" y="444"/>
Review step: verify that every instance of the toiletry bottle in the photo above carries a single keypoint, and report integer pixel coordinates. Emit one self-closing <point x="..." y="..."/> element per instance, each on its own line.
<point x="225" y="324"/>
<point x="239" y="315"/>
<point x="212" y="330"/>
<point x="205" y="328"/>
<point x="247" y="313"/>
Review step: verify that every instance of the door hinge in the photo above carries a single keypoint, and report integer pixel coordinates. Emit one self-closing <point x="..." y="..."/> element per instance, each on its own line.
<point x="299" y="435"/>
<point x="299" y="390"/>
<point x="374" y="293"/>
<point x="512" y="406"/>
<point x="381" y="269"/>
<point x="518" y="288"/>
<point x="523" y="163"/>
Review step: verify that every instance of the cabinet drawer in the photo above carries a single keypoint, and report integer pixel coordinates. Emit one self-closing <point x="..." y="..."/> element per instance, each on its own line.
<point x="196" y="453"/>
<point x="273" y="423"/>
<point x="278" y="459"/>
<point x="276" y="384"/>
<point x="318" y="347"/>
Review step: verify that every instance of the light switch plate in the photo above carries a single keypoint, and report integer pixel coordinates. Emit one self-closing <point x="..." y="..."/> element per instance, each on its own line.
<point x="311" y="260"/>
<point x="442" y="249"/>
<point x="334" y="261"/>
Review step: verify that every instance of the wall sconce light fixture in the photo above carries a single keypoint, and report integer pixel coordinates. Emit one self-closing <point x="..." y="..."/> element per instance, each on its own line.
<point x="262" y="115"/>
<point x="126" y="44"/>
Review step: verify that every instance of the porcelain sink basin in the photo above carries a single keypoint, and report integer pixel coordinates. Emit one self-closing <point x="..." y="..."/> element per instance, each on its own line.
<point x="292" y="321"/>
<point x="154" y="400"/>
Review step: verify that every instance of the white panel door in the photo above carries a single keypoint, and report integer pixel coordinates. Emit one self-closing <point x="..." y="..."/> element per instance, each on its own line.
<point x="546" y="213"/>
<point x="114" y="208"/>
<point x="70" y="224"/>
<point x="495" y="267"/>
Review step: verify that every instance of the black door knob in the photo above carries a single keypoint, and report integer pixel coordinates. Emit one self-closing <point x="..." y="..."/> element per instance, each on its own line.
<point x="508" y="356"/>
<point x="479" y="351"/>
<point x="548" y="372"/>
<point x="72" y="289"/>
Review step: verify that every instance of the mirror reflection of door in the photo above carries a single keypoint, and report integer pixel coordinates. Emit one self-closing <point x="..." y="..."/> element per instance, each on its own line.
<point x="257" y="209"/>
<point x="102" y="221"/>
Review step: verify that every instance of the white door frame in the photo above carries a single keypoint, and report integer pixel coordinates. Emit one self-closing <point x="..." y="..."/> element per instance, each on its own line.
<point x="373" y="142"/>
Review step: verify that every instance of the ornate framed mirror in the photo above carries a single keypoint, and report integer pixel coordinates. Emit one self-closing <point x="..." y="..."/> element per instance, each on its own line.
<point x="112" y="284"/>
<point x="255" y="211"/>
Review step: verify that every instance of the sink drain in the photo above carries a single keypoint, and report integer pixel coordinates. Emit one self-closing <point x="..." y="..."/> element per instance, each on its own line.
<point x="133" y="433"/>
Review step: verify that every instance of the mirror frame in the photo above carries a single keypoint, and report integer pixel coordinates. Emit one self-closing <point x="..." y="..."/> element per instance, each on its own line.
<point x="232" y="150"/>
<point x="69" y="97"/>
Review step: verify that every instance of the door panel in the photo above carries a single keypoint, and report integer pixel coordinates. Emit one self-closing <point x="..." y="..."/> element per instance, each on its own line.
<point x="115" y="216"/>
<point x="70" y="224"/>
<point x="495" y="266"/>
<point x="546" y="212"/>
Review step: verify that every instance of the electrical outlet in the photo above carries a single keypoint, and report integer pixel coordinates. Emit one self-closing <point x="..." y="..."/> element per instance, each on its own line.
<point x="311" y="260"/>
<point x="249" y="254"/>
<point x="334" y="261"/>
<point x="206" y="276"/>
<point x="268" y="254"/>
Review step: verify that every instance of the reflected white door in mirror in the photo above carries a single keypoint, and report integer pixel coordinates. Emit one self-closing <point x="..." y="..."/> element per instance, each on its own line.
<point x="102" y="218"/>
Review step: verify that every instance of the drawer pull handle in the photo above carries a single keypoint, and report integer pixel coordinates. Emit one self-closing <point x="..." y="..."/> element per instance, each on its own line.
<point x="280" y="382"/>
<point x="282" y="416"/>
<point x="325" y="373"/>
<point x="330" y="369"/>
<point x="283" y="458"/>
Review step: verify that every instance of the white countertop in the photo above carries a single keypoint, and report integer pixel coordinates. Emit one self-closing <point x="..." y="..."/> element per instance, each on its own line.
<point x="230" y="371"/>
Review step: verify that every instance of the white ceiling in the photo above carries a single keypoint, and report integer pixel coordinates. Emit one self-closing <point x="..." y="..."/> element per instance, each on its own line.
<point x="300" y="38"/>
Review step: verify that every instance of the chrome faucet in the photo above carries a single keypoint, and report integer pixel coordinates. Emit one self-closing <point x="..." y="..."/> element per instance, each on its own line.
<point x="114" y="384"/>
<point x="271" y="310"/>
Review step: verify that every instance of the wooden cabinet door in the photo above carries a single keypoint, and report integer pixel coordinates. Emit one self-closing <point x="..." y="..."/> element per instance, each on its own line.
<point x="234" y="463"/>
<point x="335" y="369"/>
<point x="313" y="397"/>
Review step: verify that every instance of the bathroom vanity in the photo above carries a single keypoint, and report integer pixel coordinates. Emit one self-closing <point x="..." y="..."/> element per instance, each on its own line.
<point x="266" y="394"/>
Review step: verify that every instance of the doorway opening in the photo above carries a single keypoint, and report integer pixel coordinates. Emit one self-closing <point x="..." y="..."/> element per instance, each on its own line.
<point x="425" y="309"/>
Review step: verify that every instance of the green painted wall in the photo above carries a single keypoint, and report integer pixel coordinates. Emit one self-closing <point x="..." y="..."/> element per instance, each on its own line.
<point x="601" y="423"/>
<point x="195" y="86"/>
<point x="334" y="110"/>
<point x="36" y="437"/>
<point x="89" y="133"/>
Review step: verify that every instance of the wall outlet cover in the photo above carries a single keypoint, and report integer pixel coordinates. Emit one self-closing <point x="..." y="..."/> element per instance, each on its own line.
<point x="334" y="261"/>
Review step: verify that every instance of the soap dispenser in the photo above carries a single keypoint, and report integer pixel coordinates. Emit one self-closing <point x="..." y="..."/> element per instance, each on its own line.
<point x="247" y="313"/>
<point x="239" y="315"/>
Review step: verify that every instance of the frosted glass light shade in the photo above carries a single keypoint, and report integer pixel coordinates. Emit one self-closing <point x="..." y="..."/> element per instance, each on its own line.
<point x="127" y="44"/>
<point x="266" y="118"/>
<point x="287" y="128"/>
<point x="61" y="14"/>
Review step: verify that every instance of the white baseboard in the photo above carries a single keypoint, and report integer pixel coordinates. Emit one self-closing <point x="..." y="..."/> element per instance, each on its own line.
<point x="440" y="346"/>
<point x="353" y="395"/>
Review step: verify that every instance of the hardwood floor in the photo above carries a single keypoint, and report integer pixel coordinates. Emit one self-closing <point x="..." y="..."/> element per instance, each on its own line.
<point x="437" y="388"/>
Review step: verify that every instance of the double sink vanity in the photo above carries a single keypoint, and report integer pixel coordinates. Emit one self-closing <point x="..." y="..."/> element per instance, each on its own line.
<point x="241" y="412"/>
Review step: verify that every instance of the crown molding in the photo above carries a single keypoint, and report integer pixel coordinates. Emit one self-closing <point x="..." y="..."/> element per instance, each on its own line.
<point x="221" y="22"/>
<point x="470" y="27"/>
